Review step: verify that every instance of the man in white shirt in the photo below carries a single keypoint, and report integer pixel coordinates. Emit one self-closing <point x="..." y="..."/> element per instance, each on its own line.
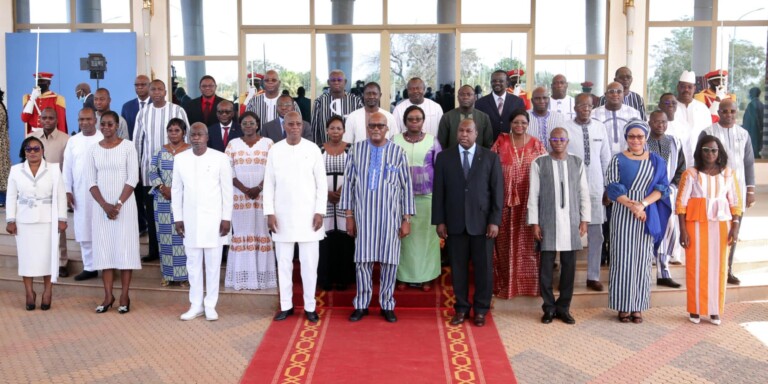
<point x="356" y="125"/>
<point x="295" y="197"/>
<point x="432" y="110"/>
<point x="691" y="114"/>
<point x="76" y="184"/>
<point x="615" y="115"/>
<point x="202" y="208"/>
<point x="560" y="101"/>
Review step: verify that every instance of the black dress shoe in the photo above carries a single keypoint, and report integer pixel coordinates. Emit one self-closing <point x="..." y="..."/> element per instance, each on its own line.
<point x="150" y="258"/>
<point x="732" y="279"/>
<point x="479" y="319"/>
<point x="358" y="314"/>
<point x="312" y="317"/>
<point x="566" y="317"/>
<point x="547" y="318"/>
<point x="458" y="318"/>
<point x="85" y="275"/>
<point x="667" y="282"/>
<point x="389" y="315"/>
<point x="282" y="315"/>
<point x="63" y="272"/>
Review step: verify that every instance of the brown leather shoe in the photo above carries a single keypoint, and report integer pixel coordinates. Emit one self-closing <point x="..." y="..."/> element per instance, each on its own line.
<point x="480" y="319"/>
<point x="458" y="318"/>
<point x="595" y="285"/>
<point x="63" y="272"/>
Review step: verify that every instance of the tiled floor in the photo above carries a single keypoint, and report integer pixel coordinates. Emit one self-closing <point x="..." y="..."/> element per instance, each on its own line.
<point x="71" y="344"/>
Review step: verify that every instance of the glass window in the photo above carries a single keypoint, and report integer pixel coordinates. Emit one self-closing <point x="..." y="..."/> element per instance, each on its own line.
<point x="742" y="51"/>
<point x="413" y="12"/>
<point x="483" y="53"/>
<point x="566" y="32"/>
<point x="356" y="54"/>
<point x="42" y="11"/>
<point x="742" y="10"/>
<point x="496" y="12"/>
<point x="288" y="54"/>
<point x="267" y="12"/>
<point x="575" y="71"/>
<point x="416" y="55"/>
<point x="336" y="12"/>
<point x="188" y="74"/>
<point x="105" y="11"/>
<point x="215" y="34"/>
<point x="665" y="10"/>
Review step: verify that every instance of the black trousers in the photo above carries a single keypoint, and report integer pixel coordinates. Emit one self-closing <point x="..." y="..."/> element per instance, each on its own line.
<point x="140" y="205"/>
<point x="337" y="260"/>
<point x="567" y="275"/>
<point x="149" y="210"/>
<point x="462" y="249"/>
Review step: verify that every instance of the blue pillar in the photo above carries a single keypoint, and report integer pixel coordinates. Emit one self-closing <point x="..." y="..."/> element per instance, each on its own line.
<point x="194" y="43"/>
<point x="594" y="70"/>
<point x="339" y="46"/>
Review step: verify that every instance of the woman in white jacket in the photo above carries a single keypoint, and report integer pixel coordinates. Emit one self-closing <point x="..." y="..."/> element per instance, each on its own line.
<point x="36" y="211"/>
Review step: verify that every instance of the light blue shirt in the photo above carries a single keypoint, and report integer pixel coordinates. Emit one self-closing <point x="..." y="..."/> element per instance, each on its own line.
<point x="471" y="155"/>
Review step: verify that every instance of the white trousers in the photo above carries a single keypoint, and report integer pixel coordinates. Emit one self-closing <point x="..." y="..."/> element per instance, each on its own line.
<point x="86" y="250"/>
<point x="212" y="258"/>
<point x="309" y="253"/>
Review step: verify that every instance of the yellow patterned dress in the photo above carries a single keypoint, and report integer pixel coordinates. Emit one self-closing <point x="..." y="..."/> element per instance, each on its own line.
<point x="251" y="262"/>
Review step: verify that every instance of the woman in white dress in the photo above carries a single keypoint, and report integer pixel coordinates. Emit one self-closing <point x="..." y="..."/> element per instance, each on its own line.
<point x="36" y="212"/>
<point x="251" y="263"/>
<point x="113" y="173"/>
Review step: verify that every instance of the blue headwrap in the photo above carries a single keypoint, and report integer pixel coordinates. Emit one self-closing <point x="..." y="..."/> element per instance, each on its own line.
<point x="636" y="123"/>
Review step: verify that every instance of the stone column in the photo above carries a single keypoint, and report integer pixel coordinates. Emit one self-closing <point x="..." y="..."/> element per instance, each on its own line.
<point x="594" y="70"/>
<point x="339" y="46"/>
<point x="446" y="45"/>
<point x="194" y="44"/>
<point x="702" y="40"/>
<point x="88" y="11"/>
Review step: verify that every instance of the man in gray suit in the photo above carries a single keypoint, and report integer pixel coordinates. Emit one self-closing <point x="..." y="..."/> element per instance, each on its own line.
<point x="274" y="129"/>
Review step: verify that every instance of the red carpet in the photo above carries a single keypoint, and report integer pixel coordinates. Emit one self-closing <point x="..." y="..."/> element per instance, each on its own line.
<point x="422" y="347"/>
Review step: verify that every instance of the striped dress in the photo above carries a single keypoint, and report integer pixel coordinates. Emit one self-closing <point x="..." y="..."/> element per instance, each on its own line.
<point x="631" y="246"/>
<point x="115" y="242"/>
<point x="709" y="204"/>
<point x="377" y="187"/>
<point x="173" y="257"/>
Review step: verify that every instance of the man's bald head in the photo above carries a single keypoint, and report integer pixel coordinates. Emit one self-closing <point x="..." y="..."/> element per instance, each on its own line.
<point x="540" y="100"/>
<point x="727" y="113"/>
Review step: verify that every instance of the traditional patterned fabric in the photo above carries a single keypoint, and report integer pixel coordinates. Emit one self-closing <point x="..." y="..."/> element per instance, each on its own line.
<point x="173" y="258"/>
<point x="325" y="107"/>
<point x="741" y="159"/>
<point x="420" y="251"/>
<point x="614" y="122"/>
<point x="669" y="148"/>
<point x="631" y="245"/>
<point x="540" y="126"/>
<point x="633" y="100"/>
<point x="149" y="134"/>
<point x="251" y="262"/>
<point x="515" y="261"/>
<point x="708" y="203"/>
<point x="5" y="143"/>
<point x="265" y="108"/>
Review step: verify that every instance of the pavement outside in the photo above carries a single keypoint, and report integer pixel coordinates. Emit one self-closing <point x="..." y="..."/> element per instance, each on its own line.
<point x="72" y="344"/>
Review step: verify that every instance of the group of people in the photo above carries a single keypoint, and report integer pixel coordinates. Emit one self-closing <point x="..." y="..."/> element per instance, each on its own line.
<point x="507" y="182"/>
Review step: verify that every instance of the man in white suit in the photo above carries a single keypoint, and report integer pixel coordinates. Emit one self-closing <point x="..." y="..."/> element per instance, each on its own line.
<point x="201" y="199"/>
<point x="295" y="198"/>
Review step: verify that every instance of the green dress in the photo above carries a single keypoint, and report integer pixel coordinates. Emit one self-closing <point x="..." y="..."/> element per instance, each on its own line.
<point x="420" y="251"/>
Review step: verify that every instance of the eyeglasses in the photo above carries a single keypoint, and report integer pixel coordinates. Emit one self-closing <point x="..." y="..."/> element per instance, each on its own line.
<point x="669" y="103"/>
<point x="710" y="150"/>
<point x="377" y="126"/>
<point x="248" y="123"/>
<point x="32" y="149"/>
<point x="614" y="91"/>
<point x="271" y="80"/>
<point x="556" y="139"/>
<point x="727" y="111"/>
<point x="285" y="105"/>
<point x="140" y="84"/>
<point x="207" y="85"/>
<point x="224" y="111"/>
<point x="337" y="79"/>
<point x="635" y="137"/>
<point x="414" y="119"/>
<point x="584" y="106"/>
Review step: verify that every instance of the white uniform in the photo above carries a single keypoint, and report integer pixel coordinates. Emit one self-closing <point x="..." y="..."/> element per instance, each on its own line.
<point x="694" y="118"/>
<point x="614" y="122"/>
<point x="201" y="197"/>
<point x="76" y="183"/>
<point x="295" y="190"/>
<point x="432" y="111"/>
<point x="356" y="126"/>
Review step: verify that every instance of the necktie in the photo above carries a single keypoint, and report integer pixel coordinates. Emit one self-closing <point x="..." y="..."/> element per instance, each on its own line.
<point x="225" y="138"/>
<point x="500" y="105"/>
<point x="585" y="130"/>
<point x="465" y="164"/>
<point x="142" y="105"/>
<point x="282" y="128"/>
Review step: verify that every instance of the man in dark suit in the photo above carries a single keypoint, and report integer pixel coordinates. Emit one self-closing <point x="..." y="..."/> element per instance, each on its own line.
<point x="305" y="104"/>
<point x="130" y="110"/>
<point x="203" y="108"/>
<point x="224" y="130"/>
<point x="274" y="129"/>
<point x="499" y="104"/>
<point x="467" y="199"/>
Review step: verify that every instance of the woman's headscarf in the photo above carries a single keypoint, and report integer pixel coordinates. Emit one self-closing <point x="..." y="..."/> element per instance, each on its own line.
<point x="636" y="123"/>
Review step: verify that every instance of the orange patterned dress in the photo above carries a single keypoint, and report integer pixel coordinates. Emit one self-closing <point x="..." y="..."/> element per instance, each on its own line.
<point x="515" y="261"/>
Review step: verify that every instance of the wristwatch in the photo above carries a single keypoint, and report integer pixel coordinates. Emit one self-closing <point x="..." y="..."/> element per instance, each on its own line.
<point x="407" y="219"/>
<point x="644" y="203"/>
<point x="119" y="202"/>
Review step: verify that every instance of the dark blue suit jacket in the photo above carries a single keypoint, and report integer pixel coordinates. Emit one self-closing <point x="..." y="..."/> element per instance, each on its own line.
<point x="129" y="112"/>
<point x="500" y="124"/>
<point x="215" y="141"/>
